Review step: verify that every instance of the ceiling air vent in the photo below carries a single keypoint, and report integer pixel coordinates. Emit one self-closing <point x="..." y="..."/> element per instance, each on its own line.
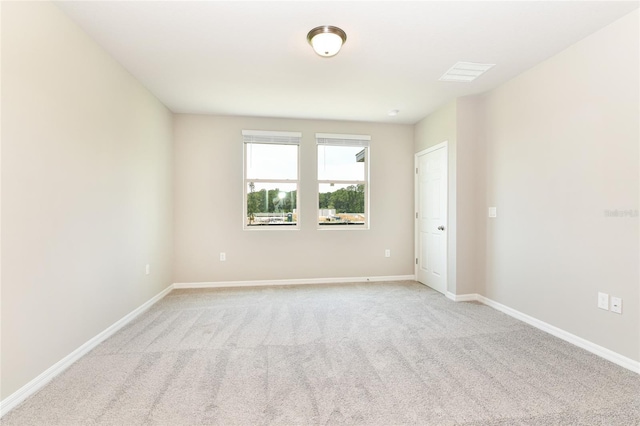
<point x="465" y="71"/>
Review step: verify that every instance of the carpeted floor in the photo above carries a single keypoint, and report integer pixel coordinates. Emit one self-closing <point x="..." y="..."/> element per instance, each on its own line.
<point x="390" y="353"/>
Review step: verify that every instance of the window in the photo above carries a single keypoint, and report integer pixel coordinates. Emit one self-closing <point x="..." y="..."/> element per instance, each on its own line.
<point x="271" y="179"/>
<point x="343" y="181"/>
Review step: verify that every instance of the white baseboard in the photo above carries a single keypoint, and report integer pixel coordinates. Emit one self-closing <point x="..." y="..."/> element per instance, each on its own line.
<point x="462" y="297"/>
<point x="585" y="344"/>
<point x="39" y="382"/>
<point x="259" y="283"/>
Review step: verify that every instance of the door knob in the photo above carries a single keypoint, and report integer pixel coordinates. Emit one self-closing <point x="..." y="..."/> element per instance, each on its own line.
<point x="440" y="228"/>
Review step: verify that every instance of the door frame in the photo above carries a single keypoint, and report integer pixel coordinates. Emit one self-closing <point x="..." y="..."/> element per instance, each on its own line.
<point x="416" y="204"/>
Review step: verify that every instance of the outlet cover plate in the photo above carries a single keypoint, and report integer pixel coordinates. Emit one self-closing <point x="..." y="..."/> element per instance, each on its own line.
<point x="603" y="301"/>
<point x="616" y="305"/>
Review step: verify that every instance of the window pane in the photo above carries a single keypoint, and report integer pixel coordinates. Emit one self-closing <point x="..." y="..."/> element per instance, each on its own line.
<point x="271" y="161"/>
<point x="341" y="162"/>
<point x="341" y="204"/>
<point x="270" y="204"/>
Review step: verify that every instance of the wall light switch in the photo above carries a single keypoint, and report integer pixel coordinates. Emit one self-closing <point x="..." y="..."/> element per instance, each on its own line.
<point x="223" y="257"/>
<point x="493" y="212"/>
<point x="147" y="269"/>
<point x="603" y="301"/>
<point x="616" y="305"/>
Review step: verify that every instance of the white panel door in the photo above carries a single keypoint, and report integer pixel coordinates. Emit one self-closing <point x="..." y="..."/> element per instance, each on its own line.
<point x="431" y="205"/>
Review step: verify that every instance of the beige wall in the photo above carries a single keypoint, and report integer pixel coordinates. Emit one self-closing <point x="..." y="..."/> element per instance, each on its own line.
<point x="562" y="149"/>
<point x="437" y="127"/>
<point x="86" y="191"/>
<point x="470" y="212"/>
<point x="208" y="214"/>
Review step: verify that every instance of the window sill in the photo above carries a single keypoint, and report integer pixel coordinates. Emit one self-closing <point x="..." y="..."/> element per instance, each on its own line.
<point x="343" y="227"/>
<point x="272" y="227"/>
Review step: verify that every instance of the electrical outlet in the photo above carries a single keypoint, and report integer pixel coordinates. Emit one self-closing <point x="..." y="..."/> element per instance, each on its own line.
<point x="616" y="305"/>
<point x="493" y="212"/>
<point x="223" y="257"/>
<point x="147" y="269"/>
<point x="387" y="253"/>
<point x="603" y="301"/>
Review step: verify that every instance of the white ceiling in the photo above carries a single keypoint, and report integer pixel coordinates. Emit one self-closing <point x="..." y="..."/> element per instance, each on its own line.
<point x="252" y="58"/>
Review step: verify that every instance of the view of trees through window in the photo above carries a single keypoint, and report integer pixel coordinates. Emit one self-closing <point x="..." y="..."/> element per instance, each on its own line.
<point x="271" y="204"/>
<point x="271" y="183"/>
<point x="349" y="199"/>
<point x="342" y="189"/>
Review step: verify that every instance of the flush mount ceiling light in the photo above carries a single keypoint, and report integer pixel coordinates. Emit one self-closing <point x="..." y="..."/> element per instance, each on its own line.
<point x="326" y="40"/>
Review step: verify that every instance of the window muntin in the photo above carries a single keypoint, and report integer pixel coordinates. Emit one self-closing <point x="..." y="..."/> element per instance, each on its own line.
<point x="343" y="187"/>
<point x="271" y="180"/>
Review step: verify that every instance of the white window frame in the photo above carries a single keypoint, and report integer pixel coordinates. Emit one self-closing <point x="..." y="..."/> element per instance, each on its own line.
<point x="335" y="139"/>
<point x="274" y="138"/>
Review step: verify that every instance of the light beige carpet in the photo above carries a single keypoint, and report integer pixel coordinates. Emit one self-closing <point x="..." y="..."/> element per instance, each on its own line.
<point x="391" y="353"/>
